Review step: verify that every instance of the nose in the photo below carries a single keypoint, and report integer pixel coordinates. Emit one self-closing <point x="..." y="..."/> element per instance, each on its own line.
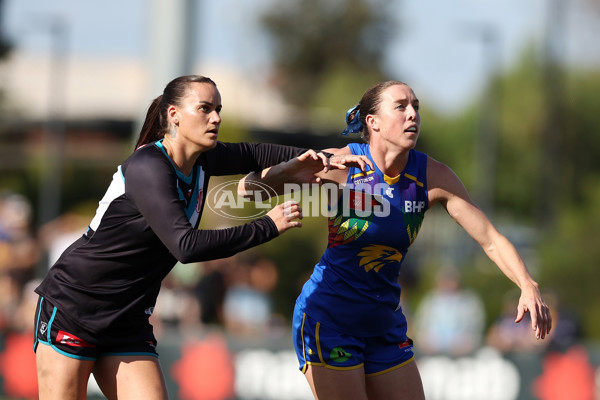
<point x="412" y="113"/>
<point x="215" y="117"/>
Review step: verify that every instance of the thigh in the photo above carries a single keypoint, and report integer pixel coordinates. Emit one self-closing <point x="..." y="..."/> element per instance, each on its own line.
<point x="130" y="377"/>
<point x="331" y="384"/>
<point x="402" y="383"/>
<point x="323" y="346"/>
<point x="61" y="377"/>
<point x="53" y="328"/>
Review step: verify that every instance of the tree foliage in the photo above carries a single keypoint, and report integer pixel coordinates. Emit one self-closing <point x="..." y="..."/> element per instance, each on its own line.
<point x="316" y="39"/>
<point x="5" y="45"/>
<point x="570" y="255"/>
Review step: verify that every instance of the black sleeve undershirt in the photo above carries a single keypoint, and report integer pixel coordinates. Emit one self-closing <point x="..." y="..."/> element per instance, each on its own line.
<point x="242" y="158"/>
<point x="150" y="182"/>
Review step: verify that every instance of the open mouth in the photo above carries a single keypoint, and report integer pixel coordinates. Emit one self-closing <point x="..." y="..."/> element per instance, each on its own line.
<point x="412" y="129"/>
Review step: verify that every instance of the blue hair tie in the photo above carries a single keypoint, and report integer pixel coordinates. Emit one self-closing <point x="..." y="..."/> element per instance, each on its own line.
<point x="355" y="125"/>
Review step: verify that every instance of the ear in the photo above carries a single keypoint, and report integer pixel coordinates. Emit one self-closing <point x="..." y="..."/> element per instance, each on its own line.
<point x="173" y="115"/>
<point x="372" y="122"/>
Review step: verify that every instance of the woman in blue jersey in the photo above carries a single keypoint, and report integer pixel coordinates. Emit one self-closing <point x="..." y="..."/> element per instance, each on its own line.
<point x="95" y="302"/>
<point x="349" y="329"/>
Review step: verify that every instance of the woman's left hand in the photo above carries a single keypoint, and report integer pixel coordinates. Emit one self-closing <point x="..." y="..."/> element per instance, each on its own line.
<point x="531" y="301"/>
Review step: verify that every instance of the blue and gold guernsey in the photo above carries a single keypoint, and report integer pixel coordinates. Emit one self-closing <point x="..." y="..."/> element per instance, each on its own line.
<point x="354" y="288"/>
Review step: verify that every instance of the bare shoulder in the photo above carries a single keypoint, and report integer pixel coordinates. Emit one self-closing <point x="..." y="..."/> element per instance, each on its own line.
<point x="442" y="182"/>
<point x="438" y="173"/>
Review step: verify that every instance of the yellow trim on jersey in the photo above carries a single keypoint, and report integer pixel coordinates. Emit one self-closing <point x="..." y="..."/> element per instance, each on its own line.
<point x="414" y="178"/>
<point x="317" y="329"/>
<point x="362" y="174"/>
<point x="391" y="180"/>
<point x="303" y="345"/>
<point x="307" y="363"/>
<point x="393" y="368"/>
<point x="322" y="363"/>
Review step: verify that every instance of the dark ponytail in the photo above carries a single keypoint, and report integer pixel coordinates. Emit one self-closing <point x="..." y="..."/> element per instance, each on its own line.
<point x="151" y="130"/>
<point x="156" y="123"/>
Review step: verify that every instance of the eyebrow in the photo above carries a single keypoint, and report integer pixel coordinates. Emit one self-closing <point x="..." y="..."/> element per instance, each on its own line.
<point x="406" y="100"/>
<point x="209" y="103"/>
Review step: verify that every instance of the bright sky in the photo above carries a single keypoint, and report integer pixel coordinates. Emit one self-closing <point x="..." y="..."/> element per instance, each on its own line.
<point x="434" y="49"/>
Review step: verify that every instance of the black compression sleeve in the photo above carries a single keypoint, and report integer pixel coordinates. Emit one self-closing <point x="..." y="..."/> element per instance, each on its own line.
<point x="150" y="183"/>
<point x="242" y="158"/>
<point x="202" y="245"/>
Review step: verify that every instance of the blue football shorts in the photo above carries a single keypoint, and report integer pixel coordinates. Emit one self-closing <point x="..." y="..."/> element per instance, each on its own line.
<point x="54" y="330"/>
<point x="320" y="345"/>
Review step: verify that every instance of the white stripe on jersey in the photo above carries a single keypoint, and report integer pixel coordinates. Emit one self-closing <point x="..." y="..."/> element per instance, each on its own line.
<point x="116" y="189"/>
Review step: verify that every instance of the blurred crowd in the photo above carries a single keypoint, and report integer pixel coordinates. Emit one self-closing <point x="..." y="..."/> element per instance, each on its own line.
<point x="235" y="294"/>
<point x="451" y="320"/>
<point x="19" y="254"/>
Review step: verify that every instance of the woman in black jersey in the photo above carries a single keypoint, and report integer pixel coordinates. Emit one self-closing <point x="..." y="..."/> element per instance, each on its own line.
<point x="94" y="304"/>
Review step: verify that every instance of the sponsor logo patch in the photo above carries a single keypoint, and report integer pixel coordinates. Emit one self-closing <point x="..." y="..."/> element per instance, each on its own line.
<point x="338" y="354"/>
<point x="71" y="340"/>
<point x="406" y="345"/>
<point x="43" y="327"/>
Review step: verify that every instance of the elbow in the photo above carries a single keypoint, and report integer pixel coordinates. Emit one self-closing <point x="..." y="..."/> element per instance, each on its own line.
<point x="186" y="258"/>
<point x="250" y="188"/>
<point x="184" y="249"/>
<point x="241" y="189"/>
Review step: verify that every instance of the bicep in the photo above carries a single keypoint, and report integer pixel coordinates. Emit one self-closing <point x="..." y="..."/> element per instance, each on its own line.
<point x="152" y="188"/>
<point x="242" y="158"/>
<point x="446" y="188"/>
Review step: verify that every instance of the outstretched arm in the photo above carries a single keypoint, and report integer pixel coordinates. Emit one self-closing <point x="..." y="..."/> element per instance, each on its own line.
<point x="309" y="167"/>
<point x="447" y="189"/>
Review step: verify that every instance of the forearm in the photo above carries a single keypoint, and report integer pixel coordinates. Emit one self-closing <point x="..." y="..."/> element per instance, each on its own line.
<point x="201" y="245"/>
<point x="504" y="254"/>
<point x="309" y="167"/>
<point x="257" y="182"/>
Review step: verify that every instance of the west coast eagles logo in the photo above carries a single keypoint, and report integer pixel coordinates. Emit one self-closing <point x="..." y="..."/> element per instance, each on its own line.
<point x="377" y="256"/>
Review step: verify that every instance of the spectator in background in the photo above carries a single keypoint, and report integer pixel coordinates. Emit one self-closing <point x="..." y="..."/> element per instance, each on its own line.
<point x="567" y="330"/>
<point x="450" y="319"/>
<point x="176" y="304"/>
<point x="211" y="288"/>
<point x="247" y="305"/>
<point x="19" y="253"/>
<point x="506" y="336"/>
<point x="55" y="236"/>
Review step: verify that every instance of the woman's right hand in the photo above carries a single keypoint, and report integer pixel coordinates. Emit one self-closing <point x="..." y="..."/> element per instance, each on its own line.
<point x="286" y="215"/>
